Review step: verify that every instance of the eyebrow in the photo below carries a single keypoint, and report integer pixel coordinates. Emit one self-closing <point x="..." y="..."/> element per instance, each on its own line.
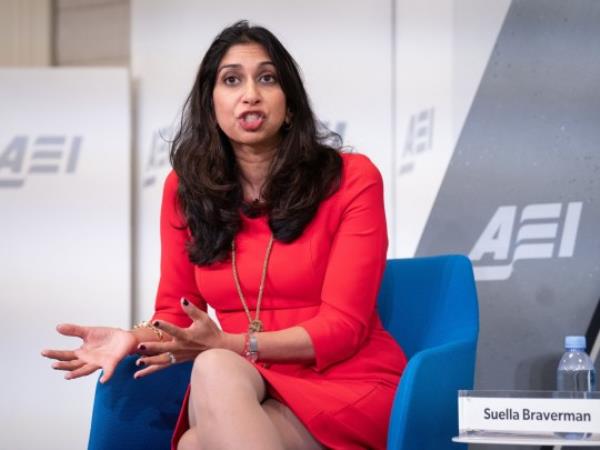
<point x="239" y="66"/>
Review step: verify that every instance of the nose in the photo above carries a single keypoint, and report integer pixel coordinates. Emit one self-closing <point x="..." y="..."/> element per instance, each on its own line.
<point x="251" y="93"/>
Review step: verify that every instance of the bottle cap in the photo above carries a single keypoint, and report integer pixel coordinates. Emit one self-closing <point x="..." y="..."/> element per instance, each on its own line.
<point x="577" y="342"/>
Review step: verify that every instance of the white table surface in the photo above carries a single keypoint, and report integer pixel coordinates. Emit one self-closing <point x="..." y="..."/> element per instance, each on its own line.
<point x="527" y="440"/>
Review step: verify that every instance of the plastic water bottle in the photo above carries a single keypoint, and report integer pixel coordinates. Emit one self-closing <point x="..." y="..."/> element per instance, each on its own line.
<point x="575" y="373"/>
<point x="576" y="370"/>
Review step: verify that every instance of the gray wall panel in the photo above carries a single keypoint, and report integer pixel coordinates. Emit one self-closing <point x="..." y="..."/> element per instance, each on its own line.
<point x="531" y="138"/>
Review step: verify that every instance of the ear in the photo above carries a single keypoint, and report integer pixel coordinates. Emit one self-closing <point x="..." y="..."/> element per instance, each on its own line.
<point x="288" y="117"/>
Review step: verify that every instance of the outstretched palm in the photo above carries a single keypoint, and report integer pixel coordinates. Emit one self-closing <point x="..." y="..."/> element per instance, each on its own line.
<point x="105" y="347"/>
<point x="102" y="347"/>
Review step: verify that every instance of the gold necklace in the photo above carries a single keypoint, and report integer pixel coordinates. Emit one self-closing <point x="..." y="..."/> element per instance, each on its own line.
<point x="254" y="325"/>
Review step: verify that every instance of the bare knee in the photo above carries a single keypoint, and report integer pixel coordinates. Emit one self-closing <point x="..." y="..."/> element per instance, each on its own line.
<point x="223" y="386"/>
<point x="218" y="372"/>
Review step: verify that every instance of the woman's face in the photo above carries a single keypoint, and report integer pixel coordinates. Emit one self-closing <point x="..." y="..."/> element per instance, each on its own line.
<point x="249" y="103"/>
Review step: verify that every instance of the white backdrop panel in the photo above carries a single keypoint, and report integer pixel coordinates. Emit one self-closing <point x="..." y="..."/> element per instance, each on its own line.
<point x="343" y="48"/>
<point x="442" y="49"/>
<point x="64" y="239"/>
<point x="423" y="114"/>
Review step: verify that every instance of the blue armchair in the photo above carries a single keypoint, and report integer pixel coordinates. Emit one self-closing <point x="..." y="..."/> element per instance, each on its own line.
<point x="430" y="307"/>
<point x="428" y="304"/>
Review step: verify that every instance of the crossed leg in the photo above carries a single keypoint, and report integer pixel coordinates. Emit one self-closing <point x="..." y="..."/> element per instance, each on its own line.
<point x="228" y="409"/>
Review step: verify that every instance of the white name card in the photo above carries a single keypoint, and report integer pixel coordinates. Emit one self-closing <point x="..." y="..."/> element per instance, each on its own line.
<point x="528" y="414"/>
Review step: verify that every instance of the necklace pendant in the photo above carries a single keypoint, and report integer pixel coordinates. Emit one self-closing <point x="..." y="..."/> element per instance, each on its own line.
<point x="255" y="326"/>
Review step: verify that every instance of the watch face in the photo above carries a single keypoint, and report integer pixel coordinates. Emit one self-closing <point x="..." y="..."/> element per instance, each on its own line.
<point x="251" y="347"/>
<point x="252" y="343"/>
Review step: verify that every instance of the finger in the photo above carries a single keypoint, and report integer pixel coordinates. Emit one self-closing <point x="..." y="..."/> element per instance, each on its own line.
<point x="108" y="373"/>
<point x="173" y="330"/>
<point x="149" y="369"/>
<point x="192" y="310"/>
<point x="70" y="329"/>
<point x="163" y="358"/>
<point x="81" y="372"/>
<point x="155" y="348"/>
<point x="61" y="355"/>
<point x="68" y="365"/>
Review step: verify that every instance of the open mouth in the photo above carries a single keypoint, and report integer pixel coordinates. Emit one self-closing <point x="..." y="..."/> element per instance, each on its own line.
<point x="251" y="121"/>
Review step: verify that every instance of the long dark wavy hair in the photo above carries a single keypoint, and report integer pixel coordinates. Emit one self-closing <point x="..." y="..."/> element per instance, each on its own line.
<point x="306" y="169"/>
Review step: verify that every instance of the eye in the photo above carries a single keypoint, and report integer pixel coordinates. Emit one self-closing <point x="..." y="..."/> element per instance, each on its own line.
<point x="230" y="80"/>
<point x="267" y="78"/>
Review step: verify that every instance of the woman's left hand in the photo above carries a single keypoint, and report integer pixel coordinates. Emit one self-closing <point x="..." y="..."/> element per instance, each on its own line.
<point x="185" y="345"/>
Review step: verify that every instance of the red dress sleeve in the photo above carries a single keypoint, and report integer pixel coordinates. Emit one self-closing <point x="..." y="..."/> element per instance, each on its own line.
<point x="354" y="269"/>
<point x="176" y="270"/>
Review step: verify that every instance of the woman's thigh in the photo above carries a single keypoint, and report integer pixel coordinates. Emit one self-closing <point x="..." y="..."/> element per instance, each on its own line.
<point x="293" y="432"/>
<point x="218" y="368"/>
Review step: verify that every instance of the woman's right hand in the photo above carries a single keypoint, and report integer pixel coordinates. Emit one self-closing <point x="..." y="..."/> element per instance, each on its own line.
<point x="102" y="347"/>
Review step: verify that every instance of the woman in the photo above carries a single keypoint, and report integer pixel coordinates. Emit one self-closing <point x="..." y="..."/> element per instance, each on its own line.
<point x="285" y="237"/>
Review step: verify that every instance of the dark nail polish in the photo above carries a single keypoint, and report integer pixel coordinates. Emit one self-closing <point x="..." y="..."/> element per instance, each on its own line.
<point x="156" y="323"/>
<point x="185" y="302"/>
<point x="142" y="347"/>
<point x="140" y="363"/>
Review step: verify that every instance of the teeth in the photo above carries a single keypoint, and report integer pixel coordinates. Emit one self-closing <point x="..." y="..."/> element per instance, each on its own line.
<point x="251" y="117"/>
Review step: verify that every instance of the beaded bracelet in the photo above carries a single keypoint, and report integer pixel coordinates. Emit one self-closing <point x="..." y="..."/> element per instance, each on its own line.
<point x="148" y="324"/>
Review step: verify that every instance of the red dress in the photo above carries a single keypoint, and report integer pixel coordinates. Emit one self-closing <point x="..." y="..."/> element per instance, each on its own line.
<point x="326" y="281"/>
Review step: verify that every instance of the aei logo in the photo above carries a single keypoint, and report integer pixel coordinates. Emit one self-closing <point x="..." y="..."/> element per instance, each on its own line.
<point x="419" y="138"/>
<point x="45" y="154"/>
<point x="544" y="230"/>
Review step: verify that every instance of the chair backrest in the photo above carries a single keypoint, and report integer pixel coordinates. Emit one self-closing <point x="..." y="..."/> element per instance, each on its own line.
<point x="424" y="302"/>
<point x="430" y="307"/>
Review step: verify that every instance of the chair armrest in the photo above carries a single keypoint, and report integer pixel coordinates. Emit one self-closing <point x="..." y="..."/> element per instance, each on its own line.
<point x="425" y="411"/>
